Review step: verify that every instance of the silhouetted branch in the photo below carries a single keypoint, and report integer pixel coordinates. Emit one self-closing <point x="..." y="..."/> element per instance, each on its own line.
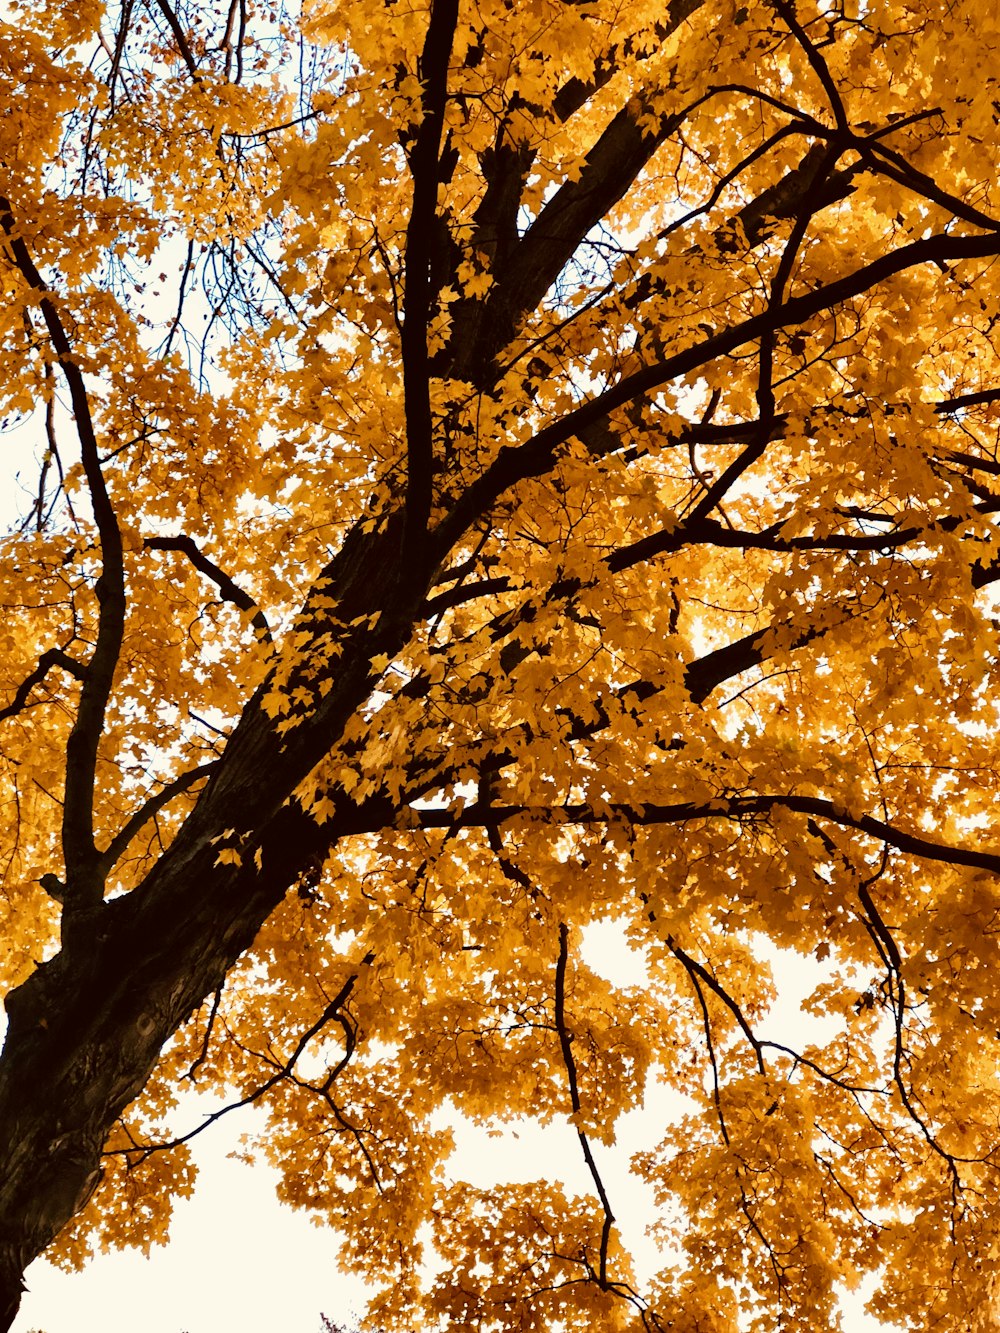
<point x="84" y="888"/>
<point x="231" y="592"/>
<point x="180" y="38"/>
<point x="329" y="1014"/>
<point x="695" y="969"/>
<point x="722" y="807"/>
<point x="52" y="657"/>
<point x="422" y="236"/>
<point x="202" y="1055"/>
<point x="118" y="844"/>
<point x="537" y="456"/>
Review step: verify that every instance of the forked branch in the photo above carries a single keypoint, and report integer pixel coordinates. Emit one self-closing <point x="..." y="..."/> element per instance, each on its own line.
<point x="118" y="845"/>
<point x="537" y="456"/>
<point x="332" y="1013"/>
<point x="231" y="592"/>
<point x="52" y="657"/>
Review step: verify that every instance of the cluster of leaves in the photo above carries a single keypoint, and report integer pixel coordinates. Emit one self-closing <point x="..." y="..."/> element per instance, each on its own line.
<point x="508" y="468"/>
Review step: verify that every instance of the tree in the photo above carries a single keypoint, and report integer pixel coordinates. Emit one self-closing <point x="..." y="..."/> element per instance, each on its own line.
<point x="561" y="488"/>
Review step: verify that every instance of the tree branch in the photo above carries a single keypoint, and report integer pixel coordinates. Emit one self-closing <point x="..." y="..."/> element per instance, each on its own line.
<point x="332" y="1012"/>
<point x="537" y="455"/>
<point x="576" y="92"/>
<point x="712" y="533"/>
<point x="231" y="592"/>
<point x="418" y="293"/>
<point x="816" y="61"/>
<point x="724" y="807"/>
<point x="534" y="262"/>
<point x="180" y="38"/>
<point x="566" y="1046"/>
<point x="52" y="657"/>
<point x="696" y="969"/>
<point x="116" y="848"/>
<point x="84" y="885"/>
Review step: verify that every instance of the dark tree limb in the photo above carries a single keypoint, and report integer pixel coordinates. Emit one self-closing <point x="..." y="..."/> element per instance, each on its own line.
<point x="536" y="456"/>
<point x="569" y="1060"/>
<point x="575" y="93"/>
<point x="717" y="491"/>
<point x="84" y="886"/>
<point x="332" y="1013"/>
<point x="206" y="1040"/>
<point x="52" y="657"/>
<point x="532" y="265"/>
<point x="231" y="592"/>
<point x="724" y="807"/>
<point x="419" y="294"/>
<point x="816" y="62"/>
<point x="696" y="969"/>
<point x="118" y="845"/>
<point x="180" y="37"/>
<point x="601" y="440"/>
<point x="710" y="532"/>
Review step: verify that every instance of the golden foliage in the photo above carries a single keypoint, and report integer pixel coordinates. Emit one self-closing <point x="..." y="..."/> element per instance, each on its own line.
<point x="503" y="469"/>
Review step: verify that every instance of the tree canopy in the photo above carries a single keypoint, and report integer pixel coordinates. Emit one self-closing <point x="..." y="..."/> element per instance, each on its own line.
<point x="503" y="467"/>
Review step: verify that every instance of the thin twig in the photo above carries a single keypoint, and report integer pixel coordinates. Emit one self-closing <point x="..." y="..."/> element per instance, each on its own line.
<point x="330" y="1013"/>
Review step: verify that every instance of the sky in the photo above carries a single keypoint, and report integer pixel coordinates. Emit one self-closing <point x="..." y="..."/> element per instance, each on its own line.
<point x="237" y="1262"/>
